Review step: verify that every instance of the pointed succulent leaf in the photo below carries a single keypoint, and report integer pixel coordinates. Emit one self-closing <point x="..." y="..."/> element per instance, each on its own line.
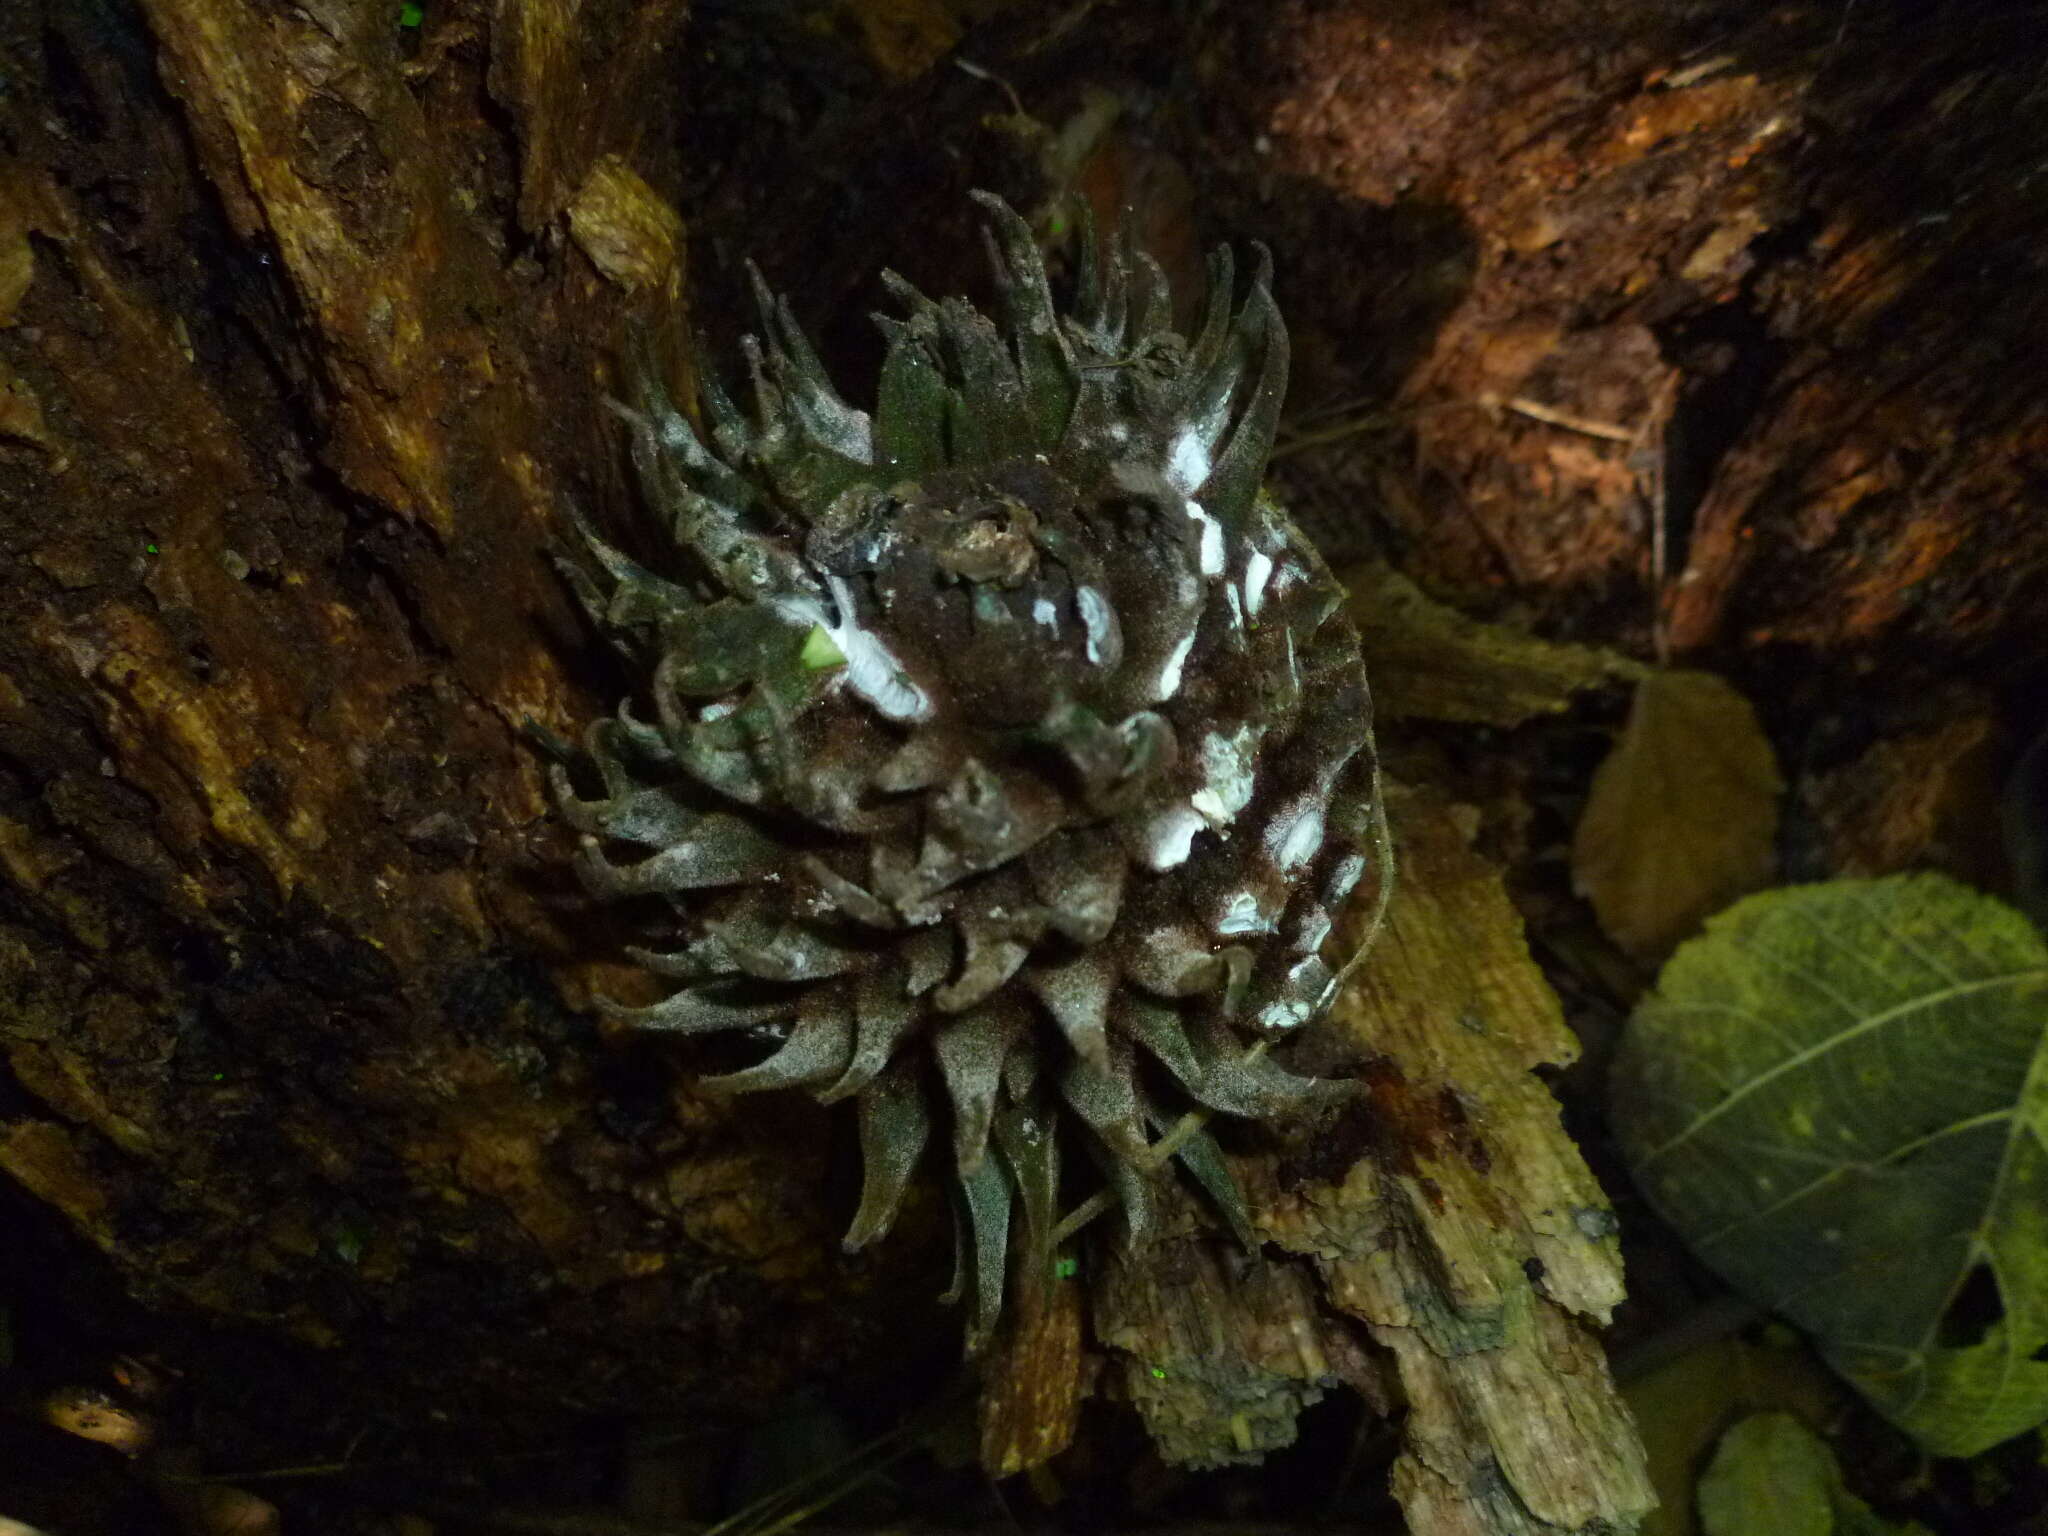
<point x="884" y="1015"/>
<point x="990" y="957"/>
<point x="819" y="1046"/>
<point x="986" y="1192"/>
<point x="894" y="1126"/>
<point x="1077" y="995"/>
<point x="1200" y="1155"/>
<point x="721" y="850"/>
<point x="983" y="746"/>
<point x="970" y="1050"/>
<point x="1045" y="363"/>
<point x="1027" y="1140"/>
<point x="1233" y="485"/>
<point x="654" y="818"/>
<point x="698" y="1011"/>
<point x="1107" y="1102"/>
<point x="913" y="402"/>
<point x="1081" y="881"/>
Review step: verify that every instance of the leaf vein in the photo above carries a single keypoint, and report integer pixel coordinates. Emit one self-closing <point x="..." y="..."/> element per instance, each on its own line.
<point x="1820" y="1048"/>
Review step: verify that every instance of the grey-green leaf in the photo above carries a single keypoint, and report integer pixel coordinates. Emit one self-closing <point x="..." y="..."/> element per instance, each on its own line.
<point x="1838" y="1095"/>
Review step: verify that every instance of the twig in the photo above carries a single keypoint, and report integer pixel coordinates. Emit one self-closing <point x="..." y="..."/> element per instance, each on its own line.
<point x="967" y="68"/>
<point x="1156" y="1156"/>
<point x="1693" y="74"/>
<point x="1650" y="443"/>
<point x="414" y="1464"/>
<point x="1551" y="416"/>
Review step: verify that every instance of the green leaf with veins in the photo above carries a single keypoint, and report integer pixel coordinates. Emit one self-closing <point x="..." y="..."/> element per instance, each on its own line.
<point x="1838" y="1096"/>
<point x="1772" y="1476"/>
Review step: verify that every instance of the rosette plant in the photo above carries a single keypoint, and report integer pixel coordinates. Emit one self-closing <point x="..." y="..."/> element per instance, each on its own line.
<point x="998" y="755"/>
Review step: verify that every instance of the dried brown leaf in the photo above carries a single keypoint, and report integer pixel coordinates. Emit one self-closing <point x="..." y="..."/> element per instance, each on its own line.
<point x="1430" y="662"/>
<point x="1683" y="814"/>
<point x="17" y="265"/>
<point x="904" y="38"/>
<point x="1031" y="1403"/>
<point x="625" y="227"/>
<point x="21" y="413"/>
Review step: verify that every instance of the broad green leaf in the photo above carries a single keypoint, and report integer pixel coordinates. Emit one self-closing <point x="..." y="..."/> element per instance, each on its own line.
<point x="1838" y="1096"/>
<point x="1684" y="1406"/>
<point x="1772" y="1476"/>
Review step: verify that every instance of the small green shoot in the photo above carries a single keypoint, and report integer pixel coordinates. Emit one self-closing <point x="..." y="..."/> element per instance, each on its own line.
<point x="821" y="653"/>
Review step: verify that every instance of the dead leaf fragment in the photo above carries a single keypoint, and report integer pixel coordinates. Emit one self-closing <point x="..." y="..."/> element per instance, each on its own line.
<point x="21" y="413"/>
<point x="905" y="38"/>
<point x="211" y="1509"/>
<point x="1430" y="662"/>
<point x="17" y="266"/>
<point x="1031" y="1405"/>
<point x="91" y="1414"/>
<point x="1683" y="814"/>
<point x="1684" y="1406"/>
<point x="1918" y="799"/>
<point x="625" y="227"/>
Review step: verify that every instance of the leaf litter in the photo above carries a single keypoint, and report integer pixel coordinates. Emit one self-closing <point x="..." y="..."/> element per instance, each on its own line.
<point x="1431" y="662"/>
<point x="1838" y="1097"/>
<point x="1683" y="814"/>
<point x="1773" y="1476"/>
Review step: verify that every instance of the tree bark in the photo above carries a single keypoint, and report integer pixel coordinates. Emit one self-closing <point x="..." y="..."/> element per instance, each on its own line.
<point x="308" y="320"/>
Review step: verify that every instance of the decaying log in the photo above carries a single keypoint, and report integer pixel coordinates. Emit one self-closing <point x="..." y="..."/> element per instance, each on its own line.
<point x="306" y="324"/>
<point x="305" y="346"/>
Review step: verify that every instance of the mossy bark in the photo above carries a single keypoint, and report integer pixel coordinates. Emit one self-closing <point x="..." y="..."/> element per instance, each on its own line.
<point x="306" y="319"/>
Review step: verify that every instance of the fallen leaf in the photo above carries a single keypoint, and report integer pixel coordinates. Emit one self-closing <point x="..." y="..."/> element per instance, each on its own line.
<point x="1838" y="1097"/>
<point x="1918" y="798"/>
<point x="1684" y="1406"/>
<point x="1430" y="662"/>
<point x="17" y="264"/>
<point x="1683" y="814"/>
<point x="21" y="413"/>
<point x="626" y="228"/>
<point x="904" y="38"/>
<point x="92" y="1414"/>
<point x="1773" y="1476"/>
<point x="1770" y="1476"/>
